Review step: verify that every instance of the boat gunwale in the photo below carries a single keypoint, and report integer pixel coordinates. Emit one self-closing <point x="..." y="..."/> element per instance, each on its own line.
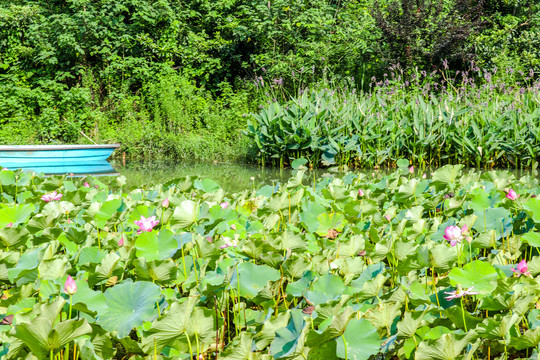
<point x="16" y="148"/>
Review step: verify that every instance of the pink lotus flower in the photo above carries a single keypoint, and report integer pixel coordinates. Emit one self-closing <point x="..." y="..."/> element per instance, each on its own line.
<point x="121" y="241"/>
<point x="146" y="224"/>
<point x="70" y="287"/>
<point x="411" y="170"/>
<point x="424" y="176"/>
<point x="9" y="225"/>
<point x="511" y="194"/>
<point x="456" y="294"/>
<point x="165" y="203"/>
<point x="521" y="269"/>
<point x="51" y="196"/>
<point x="361" y="192"/>
<point x="388" y="217"/>
<point x="86" y="184"/>
<point x="224" y="205"/>
<point x="454" y="234"/>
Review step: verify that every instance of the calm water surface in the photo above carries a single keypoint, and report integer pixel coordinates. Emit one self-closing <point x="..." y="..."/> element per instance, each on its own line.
<point x="231" y="177"/>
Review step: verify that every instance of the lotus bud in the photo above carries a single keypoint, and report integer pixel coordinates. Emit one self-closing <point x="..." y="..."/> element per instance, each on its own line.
<point x="361" y="192"/>
<point x="70" y="287"/>
<point x="511" y="194"/>
<point x="165" y="203"/>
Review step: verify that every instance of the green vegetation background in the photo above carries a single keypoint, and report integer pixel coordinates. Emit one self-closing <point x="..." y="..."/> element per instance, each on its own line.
<point x="177" y="79"/>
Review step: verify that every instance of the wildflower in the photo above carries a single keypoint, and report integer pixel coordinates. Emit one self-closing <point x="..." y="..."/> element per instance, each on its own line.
<point x="361" y="192"/>
<point x="165" y="203"/>
<point x="146" y="224"/>
<point x="511" y="194"/>
<point x="229" y="243"/>
<point x="224" y="205"/>
<point x="521" y="269"/>
<point x="51" y="196"/>
<point x="456" y="294"/>
<point x="454" y="234"/>
<point x="70" y="287"/>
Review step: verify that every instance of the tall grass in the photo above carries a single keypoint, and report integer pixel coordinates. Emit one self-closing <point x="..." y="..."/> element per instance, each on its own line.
<point x="431" y="118"/>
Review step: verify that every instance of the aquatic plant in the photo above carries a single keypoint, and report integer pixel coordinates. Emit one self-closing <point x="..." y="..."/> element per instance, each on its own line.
<point x="299" y="270"/>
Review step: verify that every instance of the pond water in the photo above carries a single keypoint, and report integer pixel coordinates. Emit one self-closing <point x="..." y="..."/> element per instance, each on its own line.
<point x="231" y="177"/>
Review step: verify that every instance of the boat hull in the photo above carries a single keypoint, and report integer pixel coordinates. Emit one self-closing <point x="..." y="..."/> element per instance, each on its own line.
<point x="102" y="167"/>
<point x="53" y="155"/>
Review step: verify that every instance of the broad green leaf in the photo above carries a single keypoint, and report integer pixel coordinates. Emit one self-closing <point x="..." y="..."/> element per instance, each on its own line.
<point x="15" y="214"/>
<point x="533" y="208"/>
<point x="478" y="274"/>
<point x="128" y="305"/>
<point x="327" y="287"/>
<point x="359" y="342"/>
<point x="152" y="246"/>
<point x="253" y="278"/>
<point x="287" y="338"/>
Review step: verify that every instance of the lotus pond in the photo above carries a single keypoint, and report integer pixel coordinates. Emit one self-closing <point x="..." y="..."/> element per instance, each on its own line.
<point x="349" y="267"/>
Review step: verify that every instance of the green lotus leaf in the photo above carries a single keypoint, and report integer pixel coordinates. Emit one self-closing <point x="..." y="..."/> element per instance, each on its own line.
<point x="152" y="246"/>
<point x="128" y="305"/>
<point x="15" y="214"/>
<point x="532" y="238"/>
<point x="160" y="271"/>
<point x="478" y="274"/>
<point x="447" y="347"/>
<point x="253" y="278"/>
<point x="107" y="212"/>
<point x="359" y="342"/>
<point x="7" y="177"/>
<point x="446" y="175"/>
<point x="13" y="237"/>
<point x="43" y="335"/>
<point x="287" y="338"/>
<point x="327" y="287"/>
<point x="333" y="221"/>
<point x="498" y="219"/>
<point x="206" y="185"/>
<point x="93" y="300"/>
<point x="27" y="262"/>
<point x="181" y="322"/>
<point x="533" y="208"/>
<point x="185" y="215"/>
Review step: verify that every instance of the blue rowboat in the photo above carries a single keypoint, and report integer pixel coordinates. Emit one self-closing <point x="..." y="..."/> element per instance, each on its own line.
<point x="97" y="168"/>
<point x="27" y="156"/>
